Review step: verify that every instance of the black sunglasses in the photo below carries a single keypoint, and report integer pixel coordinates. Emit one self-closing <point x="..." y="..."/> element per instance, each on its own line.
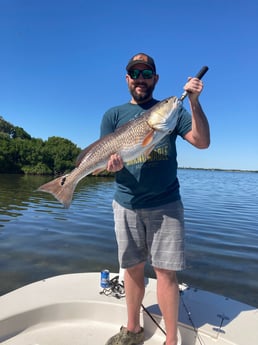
<point x="146" y="73"/>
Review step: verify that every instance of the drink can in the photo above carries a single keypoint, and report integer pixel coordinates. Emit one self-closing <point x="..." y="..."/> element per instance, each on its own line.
<point x="104" y="279"/>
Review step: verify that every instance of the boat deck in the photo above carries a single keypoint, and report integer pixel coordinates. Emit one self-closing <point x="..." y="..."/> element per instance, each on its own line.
<point x="69" y="310"/>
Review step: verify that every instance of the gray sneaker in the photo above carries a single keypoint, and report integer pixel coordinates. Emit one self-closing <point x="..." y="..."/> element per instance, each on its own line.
<point x="125" y="337"/>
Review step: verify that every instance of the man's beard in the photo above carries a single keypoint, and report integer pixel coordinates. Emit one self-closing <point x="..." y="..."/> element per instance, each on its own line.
<point x="144" y="95"/>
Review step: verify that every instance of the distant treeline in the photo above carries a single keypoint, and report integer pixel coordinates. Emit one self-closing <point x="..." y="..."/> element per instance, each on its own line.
<point x="20" y="153"/>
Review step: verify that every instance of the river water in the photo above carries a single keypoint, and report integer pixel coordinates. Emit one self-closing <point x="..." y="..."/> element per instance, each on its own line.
<point x="39" y="238"/>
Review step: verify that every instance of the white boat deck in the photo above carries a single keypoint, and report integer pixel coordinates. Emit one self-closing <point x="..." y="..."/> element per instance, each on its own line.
<point x="69" y="310"/>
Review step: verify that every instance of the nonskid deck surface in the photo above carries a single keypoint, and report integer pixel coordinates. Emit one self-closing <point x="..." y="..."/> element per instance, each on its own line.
<point x="79" y="332"/>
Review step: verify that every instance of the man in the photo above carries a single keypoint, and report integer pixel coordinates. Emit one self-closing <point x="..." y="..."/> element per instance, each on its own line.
<point x="148" y="211"/>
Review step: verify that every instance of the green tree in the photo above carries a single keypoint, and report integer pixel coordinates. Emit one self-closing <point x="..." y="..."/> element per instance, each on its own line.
<point x="60" y="154"/>
<point x="5" y="127"/>
<point x="13" y="131"/>
<point x="20" y="153"/>
<point x="18" y="132"/>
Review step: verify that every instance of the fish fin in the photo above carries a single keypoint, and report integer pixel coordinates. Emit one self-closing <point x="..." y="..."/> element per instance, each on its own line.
<point x="148" y="139"/>
<point x="148" y="152"/>
<point x="81" y="156"/>
<point x="97" y="171"/>
<point x="61" y="188"/>
<point x="84" y="152"/>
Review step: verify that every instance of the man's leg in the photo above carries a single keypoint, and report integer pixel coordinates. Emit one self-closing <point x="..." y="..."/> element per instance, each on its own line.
<point x="168" y="299"/>
<point x="134" y="289"/>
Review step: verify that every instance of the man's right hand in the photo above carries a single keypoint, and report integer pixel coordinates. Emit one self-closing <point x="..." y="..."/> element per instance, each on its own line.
<point x="115" y="163"/>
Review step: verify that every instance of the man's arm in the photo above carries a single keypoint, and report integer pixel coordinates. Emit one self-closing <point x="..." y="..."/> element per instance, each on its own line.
<point x="199" y="136"/>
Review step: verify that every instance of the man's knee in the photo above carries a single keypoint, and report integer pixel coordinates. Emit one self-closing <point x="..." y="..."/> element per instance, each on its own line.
<point x="166" y="275"/>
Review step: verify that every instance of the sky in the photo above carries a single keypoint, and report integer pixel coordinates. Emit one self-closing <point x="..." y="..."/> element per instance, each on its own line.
<point x="62" y="65"/>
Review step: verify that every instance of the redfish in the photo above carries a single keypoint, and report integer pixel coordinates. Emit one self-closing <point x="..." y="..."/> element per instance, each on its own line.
<point x="131" y="140"/>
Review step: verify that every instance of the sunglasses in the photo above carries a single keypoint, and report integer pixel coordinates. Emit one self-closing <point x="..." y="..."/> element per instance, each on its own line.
<point x="146" y="73"/>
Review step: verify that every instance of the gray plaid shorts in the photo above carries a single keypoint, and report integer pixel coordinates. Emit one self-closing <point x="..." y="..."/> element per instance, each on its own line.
<point x="154" y="234"/>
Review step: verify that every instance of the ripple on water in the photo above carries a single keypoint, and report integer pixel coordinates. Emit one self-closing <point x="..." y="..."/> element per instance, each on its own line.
<point x="39" y="238"/>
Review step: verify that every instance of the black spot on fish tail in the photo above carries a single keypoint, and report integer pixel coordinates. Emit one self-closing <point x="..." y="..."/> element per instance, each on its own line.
<point x="61" y="188"/>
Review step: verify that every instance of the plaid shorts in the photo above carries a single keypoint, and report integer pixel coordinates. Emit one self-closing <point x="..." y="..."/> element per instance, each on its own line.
<point x="154" y="234"/>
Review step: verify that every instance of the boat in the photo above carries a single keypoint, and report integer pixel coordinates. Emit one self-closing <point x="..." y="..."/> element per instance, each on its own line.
<point x="72" y="309"/>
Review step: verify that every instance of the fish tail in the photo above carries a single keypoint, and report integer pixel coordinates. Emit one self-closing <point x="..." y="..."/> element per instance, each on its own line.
<point x="61" y="188"/>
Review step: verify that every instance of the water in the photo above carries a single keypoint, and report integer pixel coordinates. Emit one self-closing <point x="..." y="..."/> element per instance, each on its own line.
<point x="39" y="239"/>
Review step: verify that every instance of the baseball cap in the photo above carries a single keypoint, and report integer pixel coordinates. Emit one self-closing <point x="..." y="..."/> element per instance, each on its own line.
<point x="141" y="58"/>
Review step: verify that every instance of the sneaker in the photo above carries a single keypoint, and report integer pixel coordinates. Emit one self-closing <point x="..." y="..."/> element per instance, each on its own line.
<point x="125" y="337"/>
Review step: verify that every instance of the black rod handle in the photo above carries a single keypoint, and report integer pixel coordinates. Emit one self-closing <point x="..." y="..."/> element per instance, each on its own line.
<point x="199" y="75"/>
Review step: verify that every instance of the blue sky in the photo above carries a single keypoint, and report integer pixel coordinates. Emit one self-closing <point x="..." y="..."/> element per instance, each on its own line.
<point x="62" y="65"/>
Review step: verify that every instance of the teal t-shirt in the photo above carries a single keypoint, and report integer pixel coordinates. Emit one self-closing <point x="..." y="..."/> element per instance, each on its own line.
<point x="152" y="181"/>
